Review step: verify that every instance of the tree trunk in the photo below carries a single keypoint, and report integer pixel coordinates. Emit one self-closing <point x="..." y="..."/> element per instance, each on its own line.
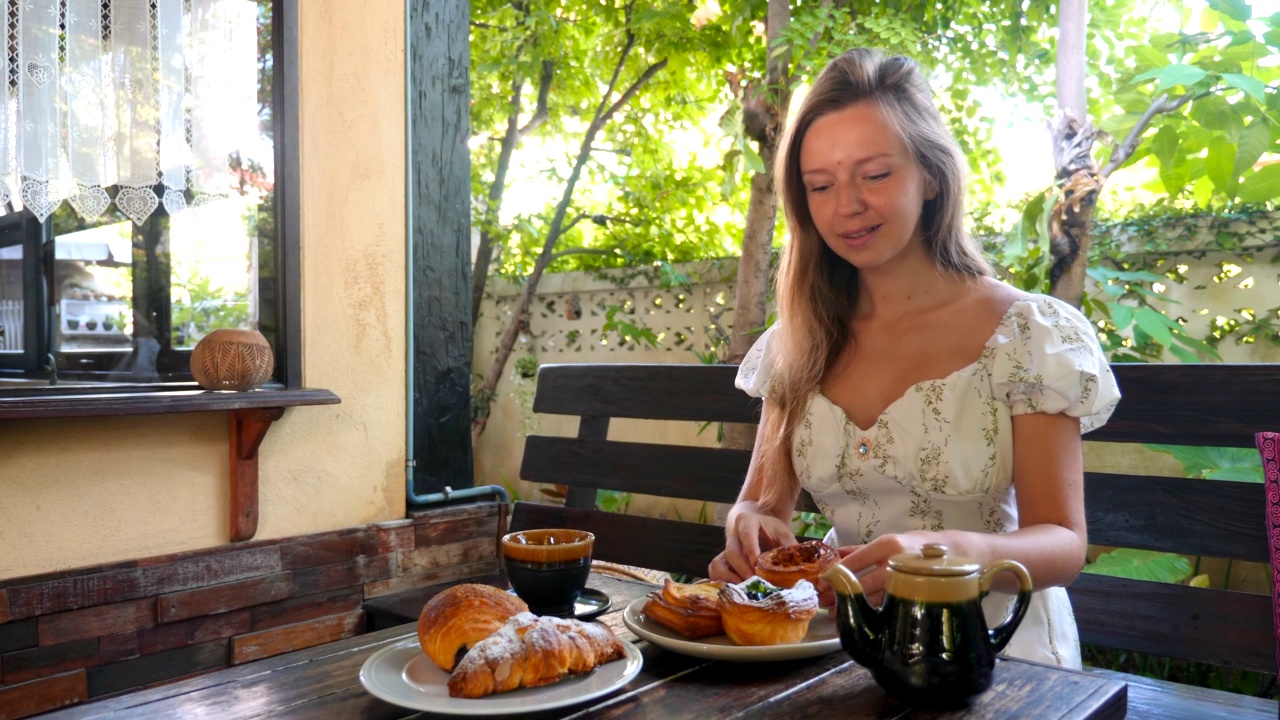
<point x="493" y="204"/>
<point x="1071" y="219"/>
<point x="489" y="225"/>
<point x="750" y="302"/>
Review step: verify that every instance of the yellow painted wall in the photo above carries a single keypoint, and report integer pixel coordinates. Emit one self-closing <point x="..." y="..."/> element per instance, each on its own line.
<point x="95" y="490"/>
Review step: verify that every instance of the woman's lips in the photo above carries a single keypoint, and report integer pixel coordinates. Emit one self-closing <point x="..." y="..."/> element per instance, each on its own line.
<point x="860" y="237"/>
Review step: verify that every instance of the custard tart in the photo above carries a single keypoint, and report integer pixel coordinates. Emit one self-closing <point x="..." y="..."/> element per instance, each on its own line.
<point x="786" y="566"/>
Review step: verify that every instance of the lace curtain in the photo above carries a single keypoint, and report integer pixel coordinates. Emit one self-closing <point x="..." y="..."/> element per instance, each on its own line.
<point x="125" y="96"/>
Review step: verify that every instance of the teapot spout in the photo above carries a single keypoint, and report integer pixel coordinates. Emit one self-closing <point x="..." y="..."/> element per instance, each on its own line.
<point x="859" y="622"/>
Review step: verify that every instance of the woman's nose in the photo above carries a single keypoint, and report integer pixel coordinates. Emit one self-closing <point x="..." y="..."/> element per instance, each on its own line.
<point x="850" y="201"/>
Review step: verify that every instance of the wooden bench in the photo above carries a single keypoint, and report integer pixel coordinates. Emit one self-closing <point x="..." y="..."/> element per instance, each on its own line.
<point x="1209" y="405"/>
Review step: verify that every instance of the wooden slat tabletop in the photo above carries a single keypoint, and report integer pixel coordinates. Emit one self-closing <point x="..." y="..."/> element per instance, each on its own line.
<point x="323" y="682"/>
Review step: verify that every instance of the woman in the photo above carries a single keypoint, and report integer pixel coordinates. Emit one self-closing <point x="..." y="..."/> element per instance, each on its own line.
<point x="915" y="397"/>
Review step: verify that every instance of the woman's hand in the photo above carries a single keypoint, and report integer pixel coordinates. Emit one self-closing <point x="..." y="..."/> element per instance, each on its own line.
<point x="749" y="531"/>
<point x="870" y="563"/>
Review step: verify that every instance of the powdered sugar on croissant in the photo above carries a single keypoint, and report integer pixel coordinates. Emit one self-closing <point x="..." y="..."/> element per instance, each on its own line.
<point x="529" y="651"/>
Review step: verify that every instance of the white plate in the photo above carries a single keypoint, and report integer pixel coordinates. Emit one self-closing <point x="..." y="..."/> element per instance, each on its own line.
<point x="823" y="637"/>
<point x="403" y="675"/>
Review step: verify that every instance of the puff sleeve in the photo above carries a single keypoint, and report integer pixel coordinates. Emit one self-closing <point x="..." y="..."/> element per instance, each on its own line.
<point x="753" y="372"/>
<point x="1048" y="361"/>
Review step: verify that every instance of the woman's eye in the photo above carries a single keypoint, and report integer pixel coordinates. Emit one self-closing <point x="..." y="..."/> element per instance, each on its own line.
<point x="880" y="176"/>
<point x="818" y="188"/>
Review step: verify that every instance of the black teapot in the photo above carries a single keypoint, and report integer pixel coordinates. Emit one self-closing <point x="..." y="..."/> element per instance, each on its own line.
<point x="928" y="644"/>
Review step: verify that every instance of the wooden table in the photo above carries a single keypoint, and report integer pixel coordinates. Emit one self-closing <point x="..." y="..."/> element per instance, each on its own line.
<point x="323" y="682"/>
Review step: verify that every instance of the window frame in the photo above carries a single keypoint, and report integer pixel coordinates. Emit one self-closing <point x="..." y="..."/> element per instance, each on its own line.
<point x="285" y="311"/>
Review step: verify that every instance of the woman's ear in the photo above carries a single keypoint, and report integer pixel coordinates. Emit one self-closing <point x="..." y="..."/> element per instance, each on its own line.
<point x="930" y="189"/>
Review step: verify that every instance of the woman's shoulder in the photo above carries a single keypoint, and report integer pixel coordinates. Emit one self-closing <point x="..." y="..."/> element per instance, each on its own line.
<point x="1033" y="309"/>
<point x="757" y="365"/>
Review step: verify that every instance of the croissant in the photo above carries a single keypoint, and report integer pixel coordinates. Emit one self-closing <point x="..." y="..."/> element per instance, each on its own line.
<point x="786" y="566"/>
<point x="529" y="651"/>
<point x="757" y="613"/>
<point x="461" y="616"/>
<point x="693" y="610"/>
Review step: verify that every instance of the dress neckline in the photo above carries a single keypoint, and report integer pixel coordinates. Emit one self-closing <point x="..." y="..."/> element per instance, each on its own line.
<point x="965" y="370"/>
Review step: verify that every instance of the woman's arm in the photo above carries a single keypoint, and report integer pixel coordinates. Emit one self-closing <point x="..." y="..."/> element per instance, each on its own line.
<point x="750" y="522"/>
<point x="1048" y="479"/>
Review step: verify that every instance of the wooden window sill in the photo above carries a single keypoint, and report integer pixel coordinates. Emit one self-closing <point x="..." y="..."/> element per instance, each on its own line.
<point x="250" y="413"/>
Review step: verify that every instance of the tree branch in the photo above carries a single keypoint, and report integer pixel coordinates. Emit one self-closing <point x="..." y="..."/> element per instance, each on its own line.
<point x="489" y="221"/>
<point x="540" y="113"/>
<point x="1159" y="106"/>
<point x="581" y="251"/>
<point x="557" y="226"/>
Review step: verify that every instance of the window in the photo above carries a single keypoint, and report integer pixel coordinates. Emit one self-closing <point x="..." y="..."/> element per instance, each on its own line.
<point x="114" y="301"/>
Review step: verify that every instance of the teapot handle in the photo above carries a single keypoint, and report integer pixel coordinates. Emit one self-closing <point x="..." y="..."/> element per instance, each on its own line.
<point x="1002" y="633"/>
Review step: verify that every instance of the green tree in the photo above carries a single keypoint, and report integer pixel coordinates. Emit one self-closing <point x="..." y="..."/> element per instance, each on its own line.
<point x="614" y="80"/>
<point x="1202" y="104"/>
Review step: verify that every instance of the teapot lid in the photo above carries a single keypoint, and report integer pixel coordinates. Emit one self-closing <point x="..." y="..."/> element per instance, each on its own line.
<point x="933" y="560"/>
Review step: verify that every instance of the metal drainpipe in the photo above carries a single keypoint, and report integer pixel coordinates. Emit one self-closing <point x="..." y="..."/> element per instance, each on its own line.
<point x="411" y="497"/>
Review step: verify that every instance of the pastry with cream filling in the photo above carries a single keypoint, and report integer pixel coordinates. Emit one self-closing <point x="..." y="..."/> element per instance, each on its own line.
<point x="756" y="612"/>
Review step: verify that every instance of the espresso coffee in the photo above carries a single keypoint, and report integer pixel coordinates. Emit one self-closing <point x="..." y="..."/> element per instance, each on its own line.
<point x="549" y="588"/>
<point x="548" y="568"/>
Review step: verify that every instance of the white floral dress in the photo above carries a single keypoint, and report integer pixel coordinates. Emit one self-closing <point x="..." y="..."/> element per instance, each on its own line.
<point x="941" y="456"/>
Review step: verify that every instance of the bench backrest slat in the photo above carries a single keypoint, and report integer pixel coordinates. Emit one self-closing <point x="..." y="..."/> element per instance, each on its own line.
<point x="702" y="393"/>
<point x="1189" y="404"/>
<point x="693" y="473"/>
<point x="1220" y="627"/>
<point x="1214" y="518"/>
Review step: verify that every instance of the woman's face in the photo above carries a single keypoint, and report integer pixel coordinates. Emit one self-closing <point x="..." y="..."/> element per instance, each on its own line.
<point x="864" y="188"/>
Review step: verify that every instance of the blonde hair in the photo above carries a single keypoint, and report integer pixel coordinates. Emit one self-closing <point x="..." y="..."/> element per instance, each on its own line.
<point x="816" y="289"/>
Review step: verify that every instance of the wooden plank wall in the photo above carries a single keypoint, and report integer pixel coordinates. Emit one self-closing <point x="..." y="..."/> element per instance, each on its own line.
<point x="74" y="636"/>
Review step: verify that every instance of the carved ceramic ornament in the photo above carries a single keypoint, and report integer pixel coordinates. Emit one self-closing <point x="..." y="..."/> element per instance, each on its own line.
<point x="232" y="359"/>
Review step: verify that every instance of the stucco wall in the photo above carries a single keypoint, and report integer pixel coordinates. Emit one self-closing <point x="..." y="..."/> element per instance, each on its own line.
<point x="87" y="491"/>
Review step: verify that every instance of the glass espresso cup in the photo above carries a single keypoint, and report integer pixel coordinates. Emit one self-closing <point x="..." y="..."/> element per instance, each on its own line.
<point x="548" y="568"/>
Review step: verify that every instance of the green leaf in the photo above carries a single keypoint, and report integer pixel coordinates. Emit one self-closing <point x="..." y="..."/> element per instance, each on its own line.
<point x="1150" y="321"/>
<point x="1141" y="565"/>
<point x="1026" y="230"/>
<point x="1254" y="140"/>
<point x="1175" y="74"/>
<point x="1253" y="86"/>
<point x="752" y="158"/>
<point x="1105" y="273"/>
<point x="1234" y="9"/>
<point x="1215" y="463"/>
<point x="1262" y="186"/>
<point x="1164" y="145"/>
<point x="1220" y="165"/>
<point x="1122" y="316"/>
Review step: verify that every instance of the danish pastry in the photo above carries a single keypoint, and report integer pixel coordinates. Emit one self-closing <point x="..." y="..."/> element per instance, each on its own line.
<point x="785" y="566"/>
<point x="529" y="651"/>
<point x="693" y="610"/>
<point x="755" y="612"/>
<point x="461" y="616"/>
